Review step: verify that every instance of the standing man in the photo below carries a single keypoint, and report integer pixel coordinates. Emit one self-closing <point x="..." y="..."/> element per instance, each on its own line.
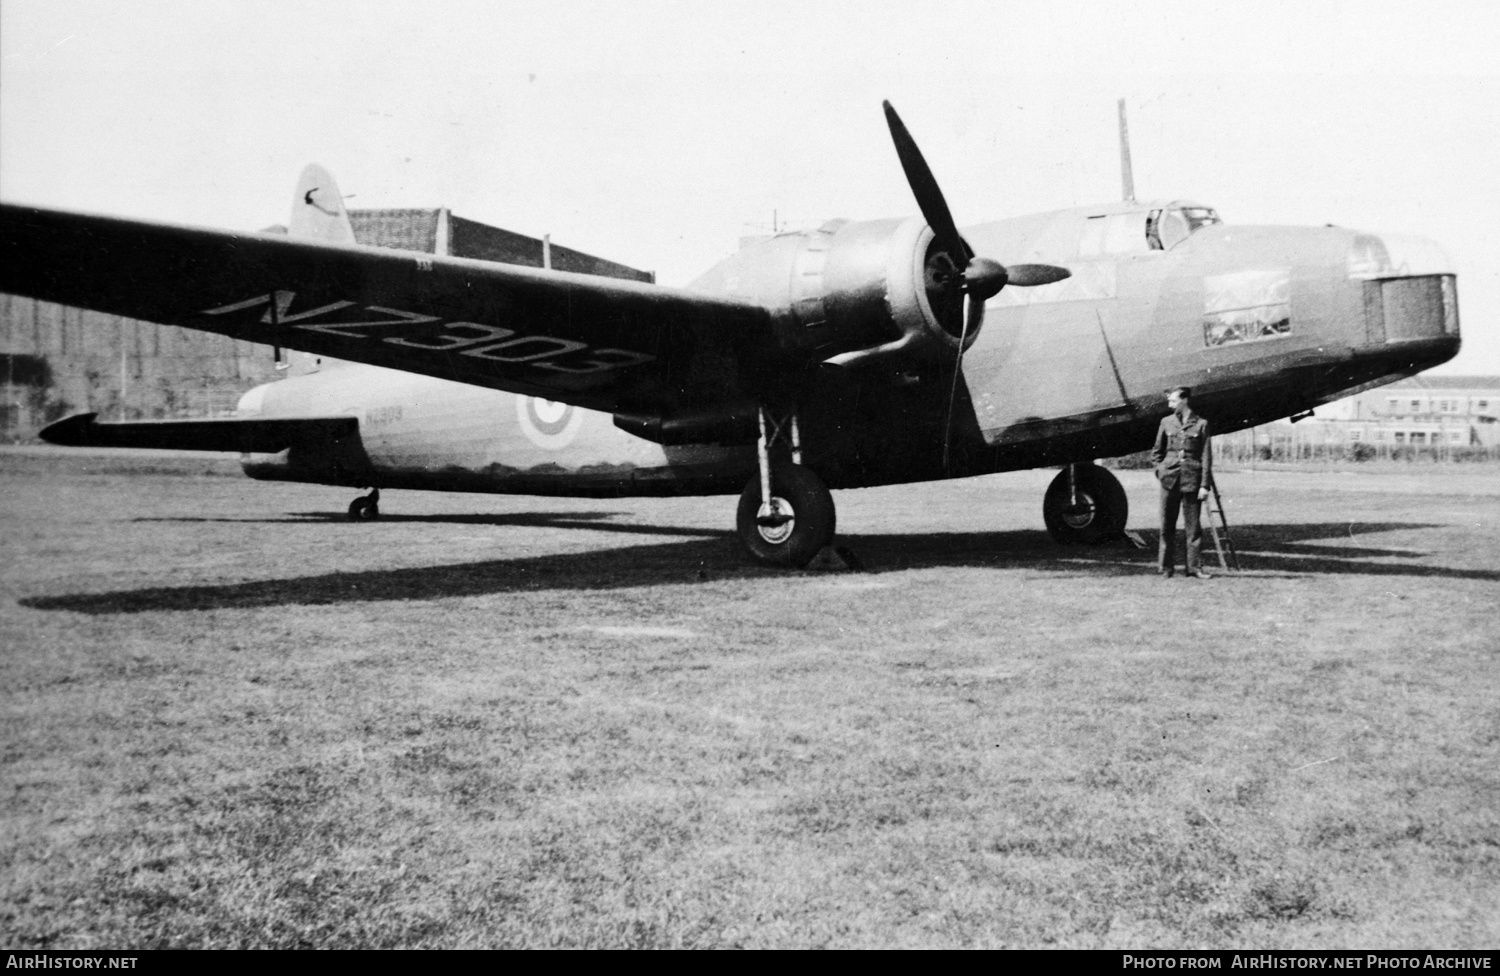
<point x="1184" y="466"/>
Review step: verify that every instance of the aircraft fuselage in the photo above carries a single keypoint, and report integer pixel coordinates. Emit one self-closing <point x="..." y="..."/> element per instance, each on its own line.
<point x="1264" y="322"/>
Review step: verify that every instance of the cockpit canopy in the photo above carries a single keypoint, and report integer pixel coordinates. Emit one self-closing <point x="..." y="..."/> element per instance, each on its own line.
<point x="1155" y="227"/>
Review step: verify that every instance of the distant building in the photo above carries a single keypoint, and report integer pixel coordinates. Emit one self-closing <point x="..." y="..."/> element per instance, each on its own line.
<point x="56" y="360"/>
<point x="1431" y="414"/>
<point x="439" y="231"/>
<point x="1423" y="410"/>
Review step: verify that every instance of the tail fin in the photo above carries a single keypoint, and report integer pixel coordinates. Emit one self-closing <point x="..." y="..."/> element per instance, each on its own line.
<point x="318" y="214"/>
<point x="318" y="209"/>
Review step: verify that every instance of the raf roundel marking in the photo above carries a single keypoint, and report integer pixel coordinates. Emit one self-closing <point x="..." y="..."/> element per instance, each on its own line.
<point x="547" y="423"/>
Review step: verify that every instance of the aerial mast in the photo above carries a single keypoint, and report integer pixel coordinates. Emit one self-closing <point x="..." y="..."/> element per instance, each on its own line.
<point x="1127" y="180"/>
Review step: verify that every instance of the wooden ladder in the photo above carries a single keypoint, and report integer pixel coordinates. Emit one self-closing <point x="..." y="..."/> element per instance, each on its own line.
<point x="1216" y="509"/>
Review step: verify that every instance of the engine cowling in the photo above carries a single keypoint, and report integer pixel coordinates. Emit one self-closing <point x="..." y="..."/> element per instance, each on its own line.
<point x="854" y="293"/>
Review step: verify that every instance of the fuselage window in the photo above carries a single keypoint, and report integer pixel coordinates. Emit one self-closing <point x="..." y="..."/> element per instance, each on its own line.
<point x="1114" y="234"/>
<point x="1092" y="242"/>
<point x="1124" y="234"/>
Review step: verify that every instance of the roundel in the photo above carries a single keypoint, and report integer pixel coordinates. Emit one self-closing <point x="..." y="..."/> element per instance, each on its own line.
<point x="547" y="423"/>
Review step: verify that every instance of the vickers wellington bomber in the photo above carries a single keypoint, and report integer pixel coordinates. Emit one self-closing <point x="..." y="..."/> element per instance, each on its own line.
<point x="861" y="353"/>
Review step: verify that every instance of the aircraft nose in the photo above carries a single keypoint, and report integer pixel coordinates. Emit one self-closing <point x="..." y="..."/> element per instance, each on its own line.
<point x="1410" y="287"/>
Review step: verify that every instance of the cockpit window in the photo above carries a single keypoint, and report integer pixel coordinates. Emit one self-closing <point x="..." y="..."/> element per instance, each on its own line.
<point x="1165" y="229"/>
<point x="1122" y="233"/>
<point x="1200" y="217"/>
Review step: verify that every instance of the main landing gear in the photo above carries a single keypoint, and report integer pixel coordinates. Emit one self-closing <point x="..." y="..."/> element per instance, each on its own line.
<point x="786" y="514"/>
<point x="365" y="508"/>
<point x="1085" y="504"/>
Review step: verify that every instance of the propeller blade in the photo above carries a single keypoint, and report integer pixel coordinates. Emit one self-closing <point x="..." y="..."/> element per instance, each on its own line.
<point x="1031" y="275"/>
<point x="924" y="185"/>
<point x="970" y="307"/>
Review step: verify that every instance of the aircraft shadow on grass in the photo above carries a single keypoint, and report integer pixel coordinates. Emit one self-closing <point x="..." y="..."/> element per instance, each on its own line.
<point x="1270" y="550"/>
<point x="543" y="520"/>
<point x="1280" y="539"/>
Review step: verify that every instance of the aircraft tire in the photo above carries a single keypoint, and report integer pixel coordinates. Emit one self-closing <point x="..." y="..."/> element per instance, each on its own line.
<point x="1102" y="513"/>
<point x="795" y="543"/>
<point x="363" y="509"/>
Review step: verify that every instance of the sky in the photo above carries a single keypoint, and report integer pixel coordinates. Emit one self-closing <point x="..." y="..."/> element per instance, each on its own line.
<point x="658" y="133"/>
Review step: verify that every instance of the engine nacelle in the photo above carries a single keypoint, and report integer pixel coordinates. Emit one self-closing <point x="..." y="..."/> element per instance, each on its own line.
<point x="854" y="293"/>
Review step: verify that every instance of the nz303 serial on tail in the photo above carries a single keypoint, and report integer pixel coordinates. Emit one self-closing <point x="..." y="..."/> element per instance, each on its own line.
<point x="862" y="353"/>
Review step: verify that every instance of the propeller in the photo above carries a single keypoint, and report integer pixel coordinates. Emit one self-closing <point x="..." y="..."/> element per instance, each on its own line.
<point x="953" y="270"/>
<point x="958" y="281"/>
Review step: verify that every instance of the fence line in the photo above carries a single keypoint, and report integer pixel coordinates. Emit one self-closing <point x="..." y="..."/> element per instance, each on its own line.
<point x="1316" y="445"/>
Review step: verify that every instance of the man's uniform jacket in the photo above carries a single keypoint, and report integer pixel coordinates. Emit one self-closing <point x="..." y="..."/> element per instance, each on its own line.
<point x="1181" y="453"/>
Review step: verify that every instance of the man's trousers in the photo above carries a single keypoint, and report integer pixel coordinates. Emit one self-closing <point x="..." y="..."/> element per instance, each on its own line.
<point x="1171" y="500"/>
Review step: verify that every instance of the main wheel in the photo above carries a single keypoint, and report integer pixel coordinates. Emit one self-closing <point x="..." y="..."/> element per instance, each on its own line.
<point x="1093" y="509"/>
<point x="800" y="523"/>
<point x="364" y="508"/>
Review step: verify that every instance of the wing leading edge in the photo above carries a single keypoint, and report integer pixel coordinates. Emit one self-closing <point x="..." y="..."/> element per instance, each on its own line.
<point x="601" y="343"/>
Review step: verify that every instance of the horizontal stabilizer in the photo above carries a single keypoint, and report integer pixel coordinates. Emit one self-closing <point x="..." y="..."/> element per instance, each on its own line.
<point x="247" y="436"/>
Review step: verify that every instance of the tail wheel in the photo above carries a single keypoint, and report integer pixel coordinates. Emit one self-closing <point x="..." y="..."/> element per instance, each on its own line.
<point x="365" y="508"/>
<point x="791" y="527"/>
<point x="1089" y="507"/>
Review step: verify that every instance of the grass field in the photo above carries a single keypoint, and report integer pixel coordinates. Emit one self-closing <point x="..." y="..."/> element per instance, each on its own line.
<point x="233" y="719"/>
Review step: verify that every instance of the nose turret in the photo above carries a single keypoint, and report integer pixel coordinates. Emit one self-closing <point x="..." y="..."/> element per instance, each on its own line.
<point x="1397" y="256"/>
<point x="1410" y="290"/>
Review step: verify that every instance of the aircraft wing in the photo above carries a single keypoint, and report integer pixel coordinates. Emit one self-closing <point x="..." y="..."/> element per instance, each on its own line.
<point x="245" y="435"/>
<point x="601" y="343"/>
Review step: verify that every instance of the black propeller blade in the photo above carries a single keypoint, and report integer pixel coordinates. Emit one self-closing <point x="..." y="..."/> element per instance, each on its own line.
<point x="1031" y="275"/>
<point x="924" y="187"/>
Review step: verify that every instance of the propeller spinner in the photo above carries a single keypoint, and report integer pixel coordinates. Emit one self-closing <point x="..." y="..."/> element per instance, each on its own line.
<point x="953" y="270"/>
